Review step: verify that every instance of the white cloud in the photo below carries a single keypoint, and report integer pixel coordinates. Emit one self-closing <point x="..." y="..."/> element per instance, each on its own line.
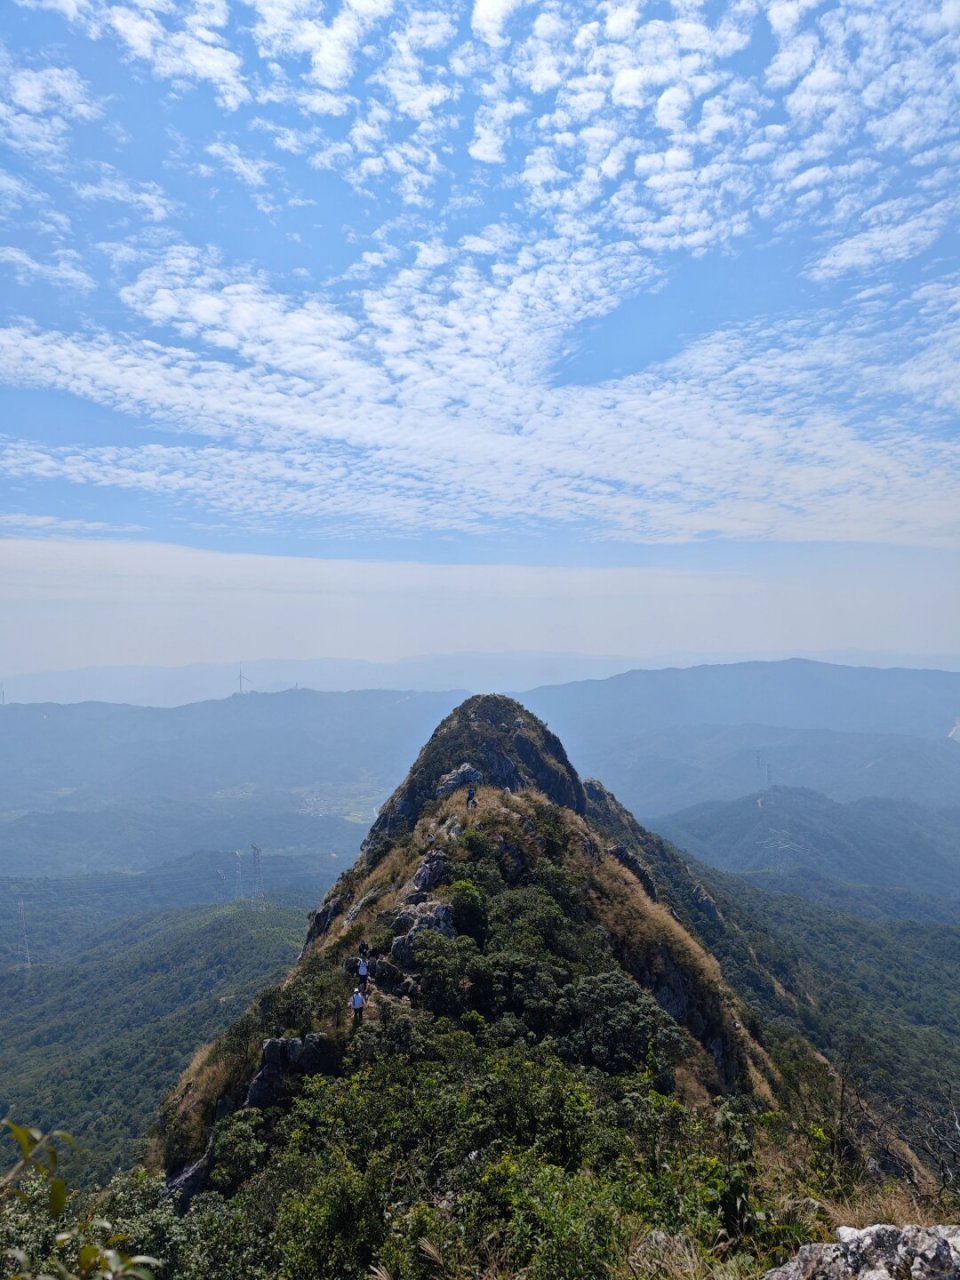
<point x="39" y="105"/>
<point x="63" y="271"/>
<point x="183" y="43"/>
<point x="146" y="197"/>
<point x="438" y="418"/>
<point x="23" y="523"/>
<point x="891" y="241"/>
<point x="554" y="161"/>
<point x="491" y="16"/>
<point x="251" y="172"/>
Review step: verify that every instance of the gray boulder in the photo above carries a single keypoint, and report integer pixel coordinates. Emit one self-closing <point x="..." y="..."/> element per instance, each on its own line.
<point x="322" y="919"/>
<point x="285" y="1057"/>
<point x="879" y="1253"/>
<point x="465" y="775"/>
<point x="434" y="869"/>
<point x="412" y="921"/>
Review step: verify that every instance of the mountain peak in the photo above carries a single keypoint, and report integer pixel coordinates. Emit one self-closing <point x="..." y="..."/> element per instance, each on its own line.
<point x="489" y="740"/>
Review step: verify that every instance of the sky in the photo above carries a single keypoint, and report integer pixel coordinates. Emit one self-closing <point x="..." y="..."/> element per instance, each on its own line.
<point x="369" y="328"/>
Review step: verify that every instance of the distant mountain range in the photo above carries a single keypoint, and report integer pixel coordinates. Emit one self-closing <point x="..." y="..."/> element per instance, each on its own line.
<point x="877" y="858"/>
<point x="114" y="786"/>
<point x="197" y="682"/>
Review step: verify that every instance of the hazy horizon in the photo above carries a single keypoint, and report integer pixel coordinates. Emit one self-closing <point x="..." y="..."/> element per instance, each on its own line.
<point x="168" y="686"/>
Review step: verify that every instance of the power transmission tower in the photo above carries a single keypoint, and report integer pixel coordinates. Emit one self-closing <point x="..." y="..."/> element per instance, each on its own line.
<point x="24" y="944"/>
<point x="239" y="878"/>
<point x="258" y="894"/>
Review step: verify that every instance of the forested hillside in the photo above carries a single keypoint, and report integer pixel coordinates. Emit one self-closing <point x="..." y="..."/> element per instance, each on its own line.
<point x="874" y="857"/>
<point x="92" y="1041"/>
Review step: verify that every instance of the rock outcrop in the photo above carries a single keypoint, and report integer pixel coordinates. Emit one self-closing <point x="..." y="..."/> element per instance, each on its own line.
<point x="321" y="919"/>
<point x="879" y="1253"/>
<point x="489" y="741"/>
<point x="412" y="921"/>
<point x="284" y="1057"/>
<point x="434" y="869"/>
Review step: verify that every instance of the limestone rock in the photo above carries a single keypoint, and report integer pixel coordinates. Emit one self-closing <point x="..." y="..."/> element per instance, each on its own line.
<point x="193" y="1178"/>
<point x="879" y="1253"/>
<point x="365" y="901"/>
<point x="705" y="903"/>
<point x="464" y="776"/>
<point x="433" y="870"/>
<point x="387" y="976"/>
<point x="413" y="920"/>
<point x="284" y="1057"/>
<point x="323" y="918"/>
<point x="634" y="865"/>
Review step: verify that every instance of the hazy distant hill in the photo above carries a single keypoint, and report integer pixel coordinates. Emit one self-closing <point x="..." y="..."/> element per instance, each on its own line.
<point x="144" y="834"/>
<point x="104" y="785"/>
<point x="63" y="914"/>
<point x="665" y="769"/>
<point x="259" y="743"/>
<point x="155" y="686"/>
<point x="878" y="857"/>
<point x="796" y="693"/>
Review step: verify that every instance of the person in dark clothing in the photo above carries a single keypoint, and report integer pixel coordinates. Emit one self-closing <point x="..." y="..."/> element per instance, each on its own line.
<point x="471" y="797"/>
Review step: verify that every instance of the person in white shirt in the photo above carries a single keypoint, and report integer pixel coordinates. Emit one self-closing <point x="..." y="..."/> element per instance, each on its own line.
<point x="357" y="1002"/>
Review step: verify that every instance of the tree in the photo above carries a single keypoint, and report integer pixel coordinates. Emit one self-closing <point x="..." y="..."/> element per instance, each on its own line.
<point x="91" y="1245"/>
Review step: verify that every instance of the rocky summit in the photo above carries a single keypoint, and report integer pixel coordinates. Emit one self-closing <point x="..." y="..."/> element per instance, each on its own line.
<point x="504" y="1051"/>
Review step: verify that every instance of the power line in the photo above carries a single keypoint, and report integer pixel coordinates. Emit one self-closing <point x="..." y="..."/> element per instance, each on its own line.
<point x="24" y="944"/>
<point x="258" y="893"/>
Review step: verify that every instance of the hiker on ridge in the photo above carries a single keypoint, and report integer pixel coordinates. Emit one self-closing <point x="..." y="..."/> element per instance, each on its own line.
<point x="357" y="1002"/>
<point x="363" y="973"/>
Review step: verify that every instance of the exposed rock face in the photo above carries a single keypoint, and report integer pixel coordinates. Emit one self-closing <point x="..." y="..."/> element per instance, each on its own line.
<point x="465" y="776"/>
<point x="285" y="1057"/>
<point x="705" y="903"/>
<point x="323" y="918"/>
<point x="414" y="920"/>
<point x="633" y="863"/>
<point x="879" y="1253"/>
<point x="693" y="1004"/>
<point x="434" y="869"/>
<point x="491" y="741"/>
<point x="193" y="1179"/>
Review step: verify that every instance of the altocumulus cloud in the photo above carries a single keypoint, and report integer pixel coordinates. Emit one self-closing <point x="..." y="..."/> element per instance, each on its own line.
<point x="444" y="198"/>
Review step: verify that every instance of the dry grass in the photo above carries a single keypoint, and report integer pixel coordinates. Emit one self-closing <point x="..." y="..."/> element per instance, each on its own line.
<point x="659" y="1256"/>
<point x="893" y="1202"/>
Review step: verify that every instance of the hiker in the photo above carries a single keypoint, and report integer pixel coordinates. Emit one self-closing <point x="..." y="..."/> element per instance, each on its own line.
<point x="471" y="797"/>
<point x="363" y="973"/>
<point x="364" y="950"/>
<point x="357" y="1002"/>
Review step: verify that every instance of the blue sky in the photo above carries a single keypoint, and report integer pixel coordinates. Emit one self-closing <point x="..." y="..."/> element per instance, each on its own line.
<point x="670" y="286"/>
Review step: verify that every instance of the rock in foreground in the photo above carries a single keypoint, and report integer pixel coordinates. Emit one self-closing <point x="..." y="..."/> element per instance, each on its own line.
<point x="879" y="1253"/>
